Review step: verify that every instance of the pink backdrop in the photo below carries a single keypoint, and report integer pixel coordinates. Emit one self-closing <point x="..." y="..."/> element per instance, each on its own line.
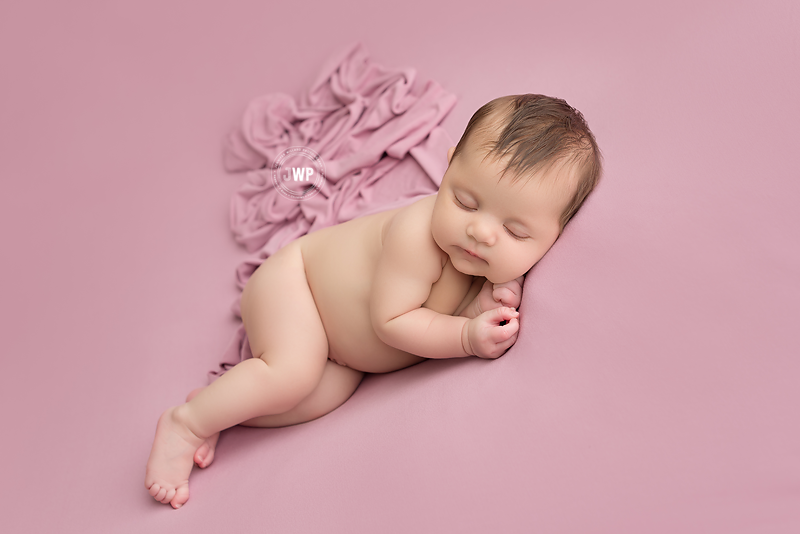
<point x="654" y="389"/>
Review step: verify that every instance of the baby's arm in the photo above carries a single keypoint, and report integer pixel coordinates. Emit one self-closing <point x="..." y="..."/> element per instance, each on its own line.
<point x="409" y="265"/>
<point x="468" y="307"/>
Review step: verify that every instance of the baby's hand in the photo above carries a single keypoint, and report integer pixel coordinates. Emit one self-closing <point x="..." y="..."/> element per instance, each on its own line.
<point x="496" y="295"/>
<point x="485" y="338"/>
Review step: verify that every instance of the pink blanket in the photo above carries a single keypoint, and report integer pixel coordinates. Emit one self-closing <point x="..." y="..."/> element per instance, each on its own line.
<point x="375" y="129"/>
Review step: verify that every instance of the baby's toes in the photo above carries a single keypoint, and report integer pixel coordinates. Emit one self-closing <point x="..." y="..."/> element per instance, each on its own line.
<point x="201" y="453"/>
<point x="208" y="459"/>
<point x="169" y="496"/>
<point x="204" y="455"/>
<point x="181" y="496"/>
<point x="154" y="489"/>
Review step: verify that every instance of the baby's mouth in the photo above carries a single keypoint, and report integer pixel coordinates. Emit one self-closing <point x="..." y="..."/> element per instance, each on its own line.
<point x="471" y="253"/>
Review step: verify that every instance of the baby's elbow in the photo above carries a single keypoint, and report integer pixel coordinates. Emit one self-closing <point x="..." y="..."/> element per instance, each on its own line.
<point x="380" y="315"/>
<point x="388" y="330"/>
<point x="379" y="326"/>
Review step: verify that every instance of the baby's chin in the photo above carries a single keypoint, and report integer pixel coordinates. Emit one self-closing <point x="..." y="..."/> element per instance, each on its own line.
<point x="462" y="271"/>
<point x="463" y="266"/>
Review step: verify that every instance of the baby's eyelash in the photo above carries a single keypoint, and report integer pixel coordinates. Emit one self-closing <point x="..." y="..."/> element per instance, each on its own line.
<point x="512" y="234"/>
<point x="515" y="236"/>
<point x="462" y="205"/>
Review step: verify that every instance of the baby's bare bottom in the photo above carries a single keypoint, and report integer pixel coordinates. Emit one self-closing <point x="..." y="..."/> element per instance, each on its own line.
<point x="290" y="350"/>
<point x="290" y="380"/>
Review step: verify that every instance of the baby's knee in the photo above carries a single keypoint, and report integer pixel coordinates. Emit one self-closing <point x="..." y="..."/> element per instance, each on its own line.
<point x="294" y="382"/>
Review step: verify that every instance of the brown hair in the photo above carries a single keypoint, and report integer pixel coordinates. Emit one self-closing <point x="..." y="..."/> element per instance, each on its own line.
<point x="538" y="131"/>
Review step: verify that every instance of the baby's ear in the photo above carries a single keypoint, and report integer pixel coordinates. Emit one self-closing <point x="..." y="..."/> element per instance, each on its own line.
<point x="450" y="154"/>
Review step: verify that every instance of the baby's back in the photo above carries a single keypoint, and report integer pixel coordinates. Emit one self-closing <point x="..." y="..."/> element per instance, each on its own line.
<point x="340" y="266"/>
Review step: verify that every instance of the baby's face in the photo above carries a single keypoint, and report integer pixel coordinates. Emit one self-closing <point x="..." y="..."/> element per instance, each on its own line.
<point x="509" y="227"/>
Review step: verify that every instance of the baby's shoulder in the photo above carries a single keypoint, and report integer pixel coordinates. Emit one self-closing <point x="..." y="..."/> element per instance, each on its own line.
<point x="409" y="231"/>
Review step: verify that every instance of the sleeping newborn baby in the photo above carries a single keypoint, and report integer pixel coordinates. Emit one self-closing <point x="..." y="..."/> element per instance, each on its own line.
<point x="440" y="278"/>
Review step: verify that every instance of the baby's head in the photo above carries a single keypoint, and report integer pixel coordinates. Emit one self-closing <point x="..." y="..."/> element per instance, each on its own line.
<point x="522" y="169"/>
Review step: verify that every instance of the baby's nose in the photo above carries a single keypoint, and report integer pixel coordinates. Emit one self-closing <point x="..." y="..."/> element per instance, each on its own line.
<point x="482" y="232"/>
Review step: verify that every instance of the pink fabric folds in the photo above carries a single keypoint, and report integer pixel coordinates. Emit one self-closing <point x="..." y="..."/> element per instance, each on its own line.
<point x="375" y="129"/>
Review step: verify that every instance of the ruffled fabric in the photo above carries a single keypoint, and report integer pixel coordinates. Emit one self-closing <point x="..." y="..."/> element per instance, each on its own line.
<point x="377" y="132"/>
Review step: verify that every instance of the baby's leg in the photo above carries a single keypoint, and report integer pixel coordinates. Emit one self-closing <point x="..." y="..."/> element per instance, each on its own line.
<point x="337" y="385"/>
<point x="290" y="348"/>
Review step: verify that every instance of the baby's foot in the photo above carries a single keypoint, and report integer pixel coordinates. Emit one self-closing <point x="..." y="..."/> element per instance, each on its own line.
<point x="170" y="462"/>
<point x="205" y="454"/>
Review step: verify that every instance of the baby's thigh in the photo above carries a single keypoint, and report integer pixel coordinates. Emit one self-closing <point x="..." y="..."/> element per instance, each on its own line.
<point x="281" y="319"/>
<point x="338" y="384"/>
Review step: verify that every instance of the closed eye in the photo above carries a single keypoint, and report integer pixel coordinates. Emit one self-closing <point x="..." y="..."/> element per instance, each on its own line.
<point x="515" y="236"/>
<point x="462" y="205"/>
<point x="512" y="234"/>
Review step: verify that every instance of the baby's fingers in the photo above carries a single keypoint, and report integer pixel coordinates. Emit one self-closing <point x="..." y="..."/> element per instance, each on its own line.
<point x="498" y="315"/>
<point x="504" y="337"/>
<point x="501" y="334"/>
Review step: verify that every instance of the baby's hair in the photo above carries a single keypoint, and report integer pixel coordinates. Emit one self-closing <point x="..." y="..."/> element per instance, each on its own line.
<point x="537" y="131"/>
